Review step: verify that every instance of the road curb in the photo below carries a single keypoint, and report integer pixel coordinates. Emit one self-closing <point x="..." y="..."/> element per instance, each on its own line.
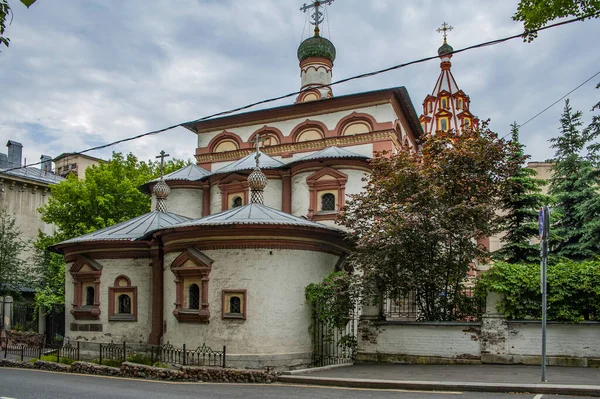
<point x="550" y="389"/>
<point x="316" y="369"/>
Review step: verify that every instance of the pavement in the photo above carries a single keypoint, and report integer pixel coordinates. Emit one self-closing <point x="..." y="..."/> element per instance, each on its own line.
<point x="481" y="378"/>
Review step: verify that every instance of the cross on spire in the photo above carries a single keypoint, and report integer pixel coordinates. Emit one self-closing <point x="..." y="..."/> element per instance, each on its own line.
<point x="258" y="140"/>
<point x="162" y="157"/>
<point x="444" y="29"/>
<point x="317" y="16"/>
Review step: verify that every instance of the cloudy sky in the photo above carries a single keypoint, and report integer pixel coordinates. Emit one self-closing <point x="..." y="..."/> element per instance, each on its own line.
<point x="84" y="73"/>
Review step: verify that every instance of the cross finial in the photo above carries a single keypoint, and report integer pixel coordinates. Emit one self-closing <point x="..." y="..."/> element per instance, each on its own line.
<point x="162" y="157"/>
<point x="317" y="16"/>
<point x="444" y="29"/>
<point x="257" y="142"/>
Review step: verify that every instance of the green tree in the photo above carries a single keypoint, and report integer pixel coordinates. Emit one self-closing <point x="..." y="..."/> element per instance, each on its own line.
<point x="574" y="185"/>
<point x="11" y="249"/>
<point x="520" y="205"/>
<point x="536" y="14"/>
<point x="109" y="194"/>
<point x="415" y="223"/>
<point x="5" y="14"/>
<point x="51" y="267"/>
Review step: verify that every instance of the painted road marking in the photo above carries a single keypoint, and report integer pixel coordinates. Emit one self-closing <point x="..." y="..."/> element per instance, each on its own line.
<point x="540" y="396"/>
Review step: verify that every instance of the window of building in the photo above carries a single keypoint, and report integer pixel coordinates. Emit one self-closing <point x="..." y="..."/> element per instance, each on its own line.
<point x="234" y="304"/>
<point x="460" y="103"/>
<point x="73" y="166"/>
<point x="444" y="124"/>
<point x="194" y="297"/>
<point x="85" y="273"/>
<point x="191" y="270"/>
<point x="237" y="201"/>
<point x="444" y="103"/>
<point x="89" y="296"/>
<point x="327" y="189"/>
<point x="466" y="123"/>
<point x="328" y="202"/>
<point x="122" y="300"/>
<point x="124" y="304"/>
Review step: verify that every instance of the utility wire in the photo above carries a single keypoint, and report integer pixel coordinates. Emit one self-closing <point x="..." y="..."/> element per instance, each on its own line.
<point x="356" y="77"/>
<point x="557" y="101"/>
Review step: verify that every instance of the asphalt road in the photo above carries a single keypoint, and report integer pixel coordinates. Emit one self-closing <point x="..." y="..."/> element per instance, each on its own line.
<point x="34" y="384"/>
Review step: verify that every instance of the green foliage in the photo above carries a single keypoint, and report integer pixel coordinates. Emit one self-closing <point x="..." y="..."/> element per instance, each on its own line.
<point x="52" y="269"/>
<point x="333" y="300"/>
<point x="108" y="195"/>
<point x="63" y="360"/>
<point x="573" y="290"/>
<point x="139" y="358"/>
<point x="5" y="13"/>
<point x="520" y="203"/>
<point x="536" y="14"/>
<point x="415" y="223"/>
<point x="11" y="248"/>
<point x="574" y="185"/>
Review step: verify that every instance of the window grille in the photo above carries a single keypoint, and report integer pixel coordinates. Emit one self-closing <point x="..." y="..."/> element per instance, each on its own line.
<point x="194" y="297"/>
<point x="237" y="202"/>
<point x="235" y="305"/>
<point x="124" y="304"/>
<point x="89" y="296"/>
<point x="328" y="202"/>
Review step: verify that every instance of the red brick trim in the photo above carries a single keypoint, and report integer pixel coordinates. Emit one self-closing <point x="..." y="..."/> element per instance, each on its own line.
<point x="286" y="192"/>
<point x="268" y="130"/>
<point x="235" y="183"/>
<point x="157" y="293"/>
<point x="225" y="135"/>
<point x="240" y="316"/>
<point x="307" y="124"/>
<point x="79" y="310"/>
<point x="200" y="271"/>
<point x="338" y="184"/>
<point x="127" y="289"/>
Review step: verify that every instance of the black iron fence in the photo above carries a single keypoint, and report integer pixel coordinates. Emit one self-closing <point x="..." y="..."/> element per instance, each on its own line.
<point x="31" y="351"/>
<point x="201" y="356"/>
<point x="55" y="326"/>
<point x="23" y="351"/>
<point x="334" y="344"/>
<point x="112" y="351"/>
<point x="24" y="317"/>
<point x="464" y="306"/>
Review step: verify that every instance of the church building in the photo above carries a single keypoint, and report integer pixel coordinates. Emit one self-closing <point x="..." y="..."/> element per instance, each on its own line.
<point x="231" y="243"/>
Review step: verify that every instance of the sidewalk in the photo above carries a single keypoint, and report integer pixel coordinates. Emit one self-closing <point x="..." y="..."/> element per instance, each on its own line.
<point x="482" y="378"/>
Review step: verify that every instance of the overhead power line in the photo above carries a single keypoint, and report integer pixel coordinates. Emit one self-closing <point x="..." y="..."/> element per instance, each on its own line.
<point x="345" y="80"/>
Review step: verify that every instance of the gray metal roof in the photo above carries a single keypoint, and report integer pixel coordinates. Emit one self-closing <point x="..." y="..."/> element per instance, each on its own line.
<point x="189" y="173"/>
<point x="33" y="174"/>
<point x="254" y="214"/>
<point x="133" y="229"/>
<point x="248" y="163"/>
<point x="331" y="152"/>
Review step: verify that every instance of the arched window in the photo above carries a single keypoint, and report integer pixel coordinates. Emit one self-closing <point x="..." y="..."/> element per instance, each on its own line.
<point x="235" y="304"/>
<point x="460" y="103"/>
<point x="237" y="201"/>
<point x="89" y="296"/>
<point x="124" y="304"/>
<point x="194" y="297"/>
<point x="328" y="202"/>
<point x="444" y="103"/>
<point x="444" y="124"/>
<point x="466" y="123"/>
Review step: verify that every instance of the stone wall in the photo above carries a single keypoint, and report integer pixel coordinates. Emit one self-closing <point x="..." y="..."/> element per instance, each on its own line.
<point x="133" y="370"/>
<point x="495" y="340"/>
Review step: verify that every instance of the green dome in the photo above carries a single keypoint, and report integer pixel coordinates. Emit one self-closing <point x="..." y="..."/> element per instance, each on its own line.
<point x="316" y="46"/>
<point x="445" y="49"/>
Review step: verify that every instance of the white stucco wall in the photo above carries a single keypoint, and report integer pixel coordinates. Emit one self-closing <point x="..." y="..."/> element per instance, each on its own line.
<point x="278" y="318"/>
<point x="185" y="202"/>
<point x="450" y="340"/>
<point x="574" y="340"/>
<point x="300" y="194"/>
<point x="215" y="199"/>
<point x="273" y="194"/>
<point x="139" y="272"/>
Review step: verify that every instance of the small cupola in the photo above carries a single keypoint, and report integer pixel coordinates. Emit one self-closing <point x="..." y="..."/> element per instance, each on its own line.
<point x="316" y="55"/>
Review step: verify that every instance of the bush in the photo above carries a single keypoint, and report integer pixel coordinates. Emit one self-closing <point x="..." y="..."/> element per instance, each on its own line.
<point x="52" y="358"/>
<point x="139" y="358"/>
<point x="573" y="290"/>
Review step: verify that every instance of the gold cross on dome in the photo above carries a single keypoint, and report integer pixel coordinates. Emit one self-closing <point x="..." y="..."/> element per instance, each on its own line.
<point x="258" y="140"/>
<point x="317" y="16"/>
<point x="445" y="29"/>
<point x="162" y="157"/>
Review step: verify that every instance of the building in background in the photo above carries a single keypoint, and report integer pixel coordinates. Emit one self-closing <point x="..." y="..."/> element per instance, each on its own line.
<point x="70" y="162"/>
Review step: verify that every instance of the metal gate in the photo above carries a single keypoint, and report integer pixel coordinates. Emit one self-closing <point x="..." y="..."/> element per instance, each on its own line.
<point x="55" y="326"/>
<point x="333" y="345"/>
<point x="24" y="317"/>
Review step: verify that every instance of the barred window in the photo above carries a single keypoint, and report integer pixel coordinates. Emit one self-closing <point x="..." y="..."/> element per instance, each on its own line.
<point x="89" y="296"/>
<point x="235" y="304"/>
<point x="124" y="304"/>
<point x="328" y="202"/>
<point x="194" y="297"/>
<point x="237" y="202"/>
